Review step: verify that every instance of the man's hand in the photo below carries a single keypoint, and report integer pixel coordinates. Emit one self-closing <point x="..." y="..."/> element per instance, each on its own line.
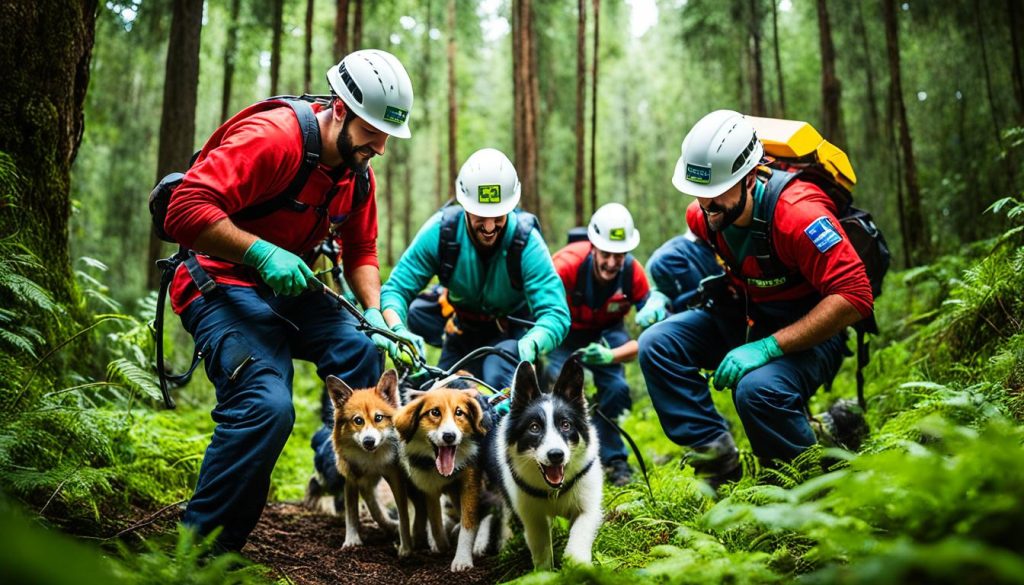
<point x="284" y="272"/>
<point x="655" y="309"/>
<point x="374" y="317"/>
<point x="529" y="347"/>
<point x="741" y="360"/>
<point x="417" y="341"/>
<point x="596" y="354"/>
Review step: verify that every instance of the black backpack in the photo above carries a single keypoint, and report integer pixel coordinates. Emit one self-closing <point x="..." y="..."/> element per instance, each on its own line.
<point x="160" y="197"/>
<point x="448" y="246"/>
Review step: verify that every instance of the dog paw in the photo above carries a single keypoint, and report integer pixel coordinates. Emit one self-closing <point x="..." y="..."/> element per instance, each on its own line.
<point x="351" y="542"/>
<point x="404" y="551"/>
<point x="460" y="564"/>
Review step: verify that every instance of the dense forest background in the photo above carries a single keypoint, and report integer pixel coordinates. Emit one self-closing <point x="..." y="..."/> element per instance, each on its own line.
<point x="591" y="100"/>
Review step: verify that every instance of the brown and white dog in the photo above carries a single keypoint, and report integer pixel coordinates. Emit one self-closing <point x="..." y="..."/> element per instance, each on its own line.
<point x="441" y="433"/>
<point x="366" y="447"/>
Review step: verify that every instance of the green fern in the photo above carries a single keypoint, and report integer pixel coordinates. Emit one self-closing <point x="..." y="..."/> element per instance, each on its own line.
<point x="134" y="377"/>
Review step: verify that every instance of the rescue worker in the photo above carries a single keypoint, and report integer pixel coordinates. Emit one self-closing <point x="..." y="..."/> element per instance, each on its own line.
<point x="778" y="339"/>
<point x="602" y="283"/>
<point x="477" y="242"/>
<point x="266" y="307"/>
<point x="676" y="270"/>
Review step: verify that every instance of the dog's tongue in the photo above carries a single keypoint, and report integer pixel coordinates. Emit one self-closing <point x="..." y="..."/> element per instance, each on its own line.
<point x="554" y="474"/>
<point x="445" y="460"/>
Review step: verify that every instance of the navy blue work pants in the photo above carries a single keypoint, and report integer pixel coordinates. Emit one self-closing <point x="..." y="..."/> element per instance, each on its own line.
<point x="612" y="390"/>
<point x="771" y="400"/>
<point x="493" y="369"/>
<point x="250" y="341"/>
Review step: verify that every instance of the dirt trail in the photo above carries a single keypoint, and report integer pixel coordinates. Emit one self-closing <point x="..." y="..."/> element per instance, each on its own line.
<point x="306" y="547"/>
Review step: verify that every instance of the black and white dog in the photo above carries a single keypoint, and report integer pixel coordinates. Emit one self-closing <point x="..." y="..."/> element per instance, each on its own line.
<point x="547" y="454"/>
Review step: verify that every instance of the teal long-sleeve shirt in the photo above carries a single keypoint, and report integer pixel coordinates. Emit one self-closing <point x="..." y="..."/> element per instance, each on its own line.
<point x="483" y="286"/>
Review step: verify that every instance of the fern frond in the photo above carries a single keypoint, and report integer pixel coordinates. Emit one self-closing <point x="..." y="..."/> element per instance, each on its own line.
<point x="134" y="377"/>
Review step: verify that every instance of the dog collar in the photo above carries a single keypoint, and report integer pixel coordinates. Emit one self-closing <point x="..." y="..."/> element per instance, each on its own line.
<point x="550" y="492"/>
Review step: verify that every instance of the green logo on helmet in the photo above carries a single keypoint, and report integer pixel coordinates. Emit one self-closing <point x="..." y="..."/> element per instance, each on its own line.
<point x="489" y="193"/>
<point x="698" y="174"/>
<point x="395" y="115"/>
<point x="617" y="234"/>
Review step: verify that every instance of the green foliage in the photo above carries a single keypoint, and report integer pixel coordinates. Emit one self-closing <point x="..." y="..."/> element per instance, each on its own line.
<point x="189" y="560"/>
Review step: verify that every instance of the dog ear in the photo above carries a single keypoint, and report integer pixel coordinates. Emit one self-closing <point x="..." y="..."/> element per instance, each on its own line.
<point x="478" y="418"/>
<point x="339" y="391"/>
<point x="387" y="388"/>
<point x="570" y="383"/>
<point x="408" y="419"/>
<point x="524" y="386"/>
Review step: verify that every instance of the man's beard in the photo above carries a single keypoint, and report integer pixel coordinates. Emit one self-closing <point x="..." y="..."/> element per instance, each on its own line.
<point x="348" y="151"/>
<point x="729" y="215"/>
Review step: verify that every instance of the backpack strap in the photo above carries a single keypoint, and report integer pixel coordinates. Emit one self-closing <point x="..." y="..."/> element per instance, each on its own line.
<point x="627" y="277"/>
<point x="448" y="246"/>
<point x="526" y="223"/>
<point x="761" y="226"/>
<point x="579" y="291"/>
<point x="310" y="129"/>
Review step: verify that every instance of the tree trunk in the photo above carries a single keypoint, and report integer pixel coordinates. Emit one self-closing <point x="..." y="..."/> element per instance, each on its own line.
<point x="453" y="163"/>
<point x="275" y="46"/>
<point x="778" y="60"/>
<point x="230" y="54"/>
<point x="871" y="136"/>
<point x="357" y="26"/>
<point x="389" y="196"/>
<point x="178" y="117"/>
<point x="307" y="67"/>
<point x="45" y="77"/>
<point x="831" y="89"/>
<point x="581" y="106"/>
<point x="593" y="108"/>
<point x="341" y="30"/>
<point x="993" y="111"/>
<point x="407" y="190"/>
<point x="757" y="105"/>
<point x="915" y="238"/>
<point x="1013" y="8"/>
<point x="526" y="92"/>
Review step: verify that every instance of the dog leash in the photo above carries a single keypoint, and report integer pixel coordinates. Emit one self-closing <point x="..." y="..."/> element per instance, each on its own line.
<point x="632" y="445"/>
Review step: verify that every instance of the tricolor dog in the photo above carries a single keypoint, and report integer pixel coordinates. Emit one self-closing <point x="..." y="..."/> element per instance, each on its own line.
<point x="547" y="453"/>
<point x="366" y="446"/>
<point x="441" y="433"/>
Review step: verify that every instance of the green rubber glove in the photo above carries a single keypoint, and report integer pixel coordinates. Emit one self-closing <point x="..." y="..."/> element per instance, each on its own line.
<point x="374" y="317"/>
<point x="284" y="272"/>
<point x="530" y="346"/>
<point x="655" y="309"/>
<point x="596" y="354"/>
<point x="745" y="358"/>
<point x="402" y="331"/>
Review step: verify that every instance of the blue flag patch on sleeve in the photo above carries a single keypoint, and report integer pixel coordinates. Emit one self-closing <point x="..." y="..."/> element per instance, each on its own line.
<point x="822" y="234"/>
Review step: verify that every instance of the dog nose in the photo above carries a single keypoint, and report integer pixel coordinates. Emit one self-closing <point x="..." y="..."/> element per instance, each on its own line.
<point x="448" y="437"/>
<point x="556" y="456"/>
<point x="369" y="443"/>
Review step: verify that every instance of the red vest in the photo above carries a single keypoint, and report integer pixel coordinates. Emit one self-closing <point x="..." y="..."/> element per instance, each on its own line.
<point x="575" y="258"/>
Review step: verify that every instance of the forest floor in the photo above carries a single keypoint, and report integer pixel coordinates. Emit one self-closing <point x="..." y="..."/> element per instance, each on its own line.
<point x="304" y="547"/>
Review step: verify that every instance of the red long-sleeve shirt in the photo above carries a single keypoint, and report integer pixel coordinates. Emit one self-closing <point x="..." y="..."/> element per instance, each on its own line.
<point x="835" y="270"/>
<point x="250" y="159"/>
<point x="611" y="312"/>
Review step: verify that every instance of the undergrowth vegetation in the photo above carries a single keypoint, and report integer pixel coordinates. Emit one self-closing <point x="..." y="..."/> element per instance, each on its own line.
<point x="936" y="494"/>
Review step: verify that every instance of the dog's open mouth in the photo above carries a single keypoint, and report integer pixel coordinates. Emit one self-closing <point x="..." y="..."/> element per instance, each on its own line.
<point x="445" y="460"/>
<point x="553" y="474"/>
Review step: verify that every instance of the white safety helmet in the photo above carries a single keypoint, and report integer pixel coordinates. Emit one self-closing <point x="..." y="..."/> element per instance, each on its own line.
<point x="611" y="229"/>
<point x="488" y="185"/>
<point x="374" y="86"/>
<point x="719" y="150"/>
